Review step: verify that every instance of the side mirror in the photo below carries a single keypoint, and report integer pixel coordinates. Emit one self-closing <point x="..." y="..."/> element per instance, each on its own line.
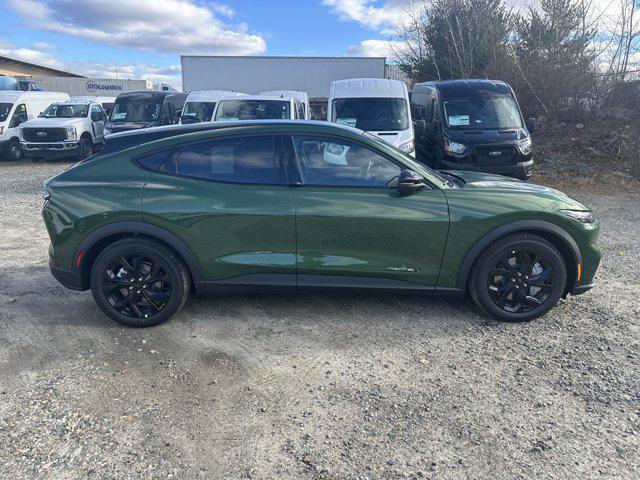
<point x="531" y="124"/>
<point x="410" y="182"/>
<point x="189" y="119"/>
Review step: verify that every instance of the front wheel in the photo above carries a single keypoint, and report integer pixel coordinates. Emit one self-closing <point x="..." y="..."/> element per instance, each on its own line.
<point x="14" y="151"/>
<point x="518" y="278"/>
<point x="85" y="148"/>
<point x="139" y="282"/>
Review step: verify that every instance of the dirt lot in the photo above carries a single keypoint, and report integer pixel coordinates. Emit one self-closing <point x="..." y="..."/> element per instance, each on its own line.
<point x="315" y="386"/>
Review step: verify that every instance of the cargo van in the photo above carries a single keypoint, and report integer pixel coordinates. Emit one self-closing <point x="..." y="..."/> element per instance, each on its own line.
<point x="199" y="105"/>
<point x="302" y="97"/>
<point x="146" y="109"/>
<point x="17" y="107"/>
<point x="472" y="125"/>
<point x="106" y="102"/>
<point x="258" y="107"/>
<point x="378" y="106"/>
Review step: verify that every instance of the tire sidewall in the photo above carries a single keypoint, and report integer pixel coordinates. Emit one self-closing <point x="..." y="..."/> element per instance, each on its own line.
<point x="14" y="147"/>
<point x="482" y="280"/>
<point x="134" y="248"/>
<point x="82" y="145"/>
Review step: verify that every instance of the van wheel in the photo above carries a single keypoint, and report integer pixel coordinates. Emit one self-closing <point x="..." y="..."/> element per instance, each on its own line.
<point x="14" y="151"/>
<point x="85" y="149"/>
<point x="139" y="282"/>
<point x="518" y="278"/>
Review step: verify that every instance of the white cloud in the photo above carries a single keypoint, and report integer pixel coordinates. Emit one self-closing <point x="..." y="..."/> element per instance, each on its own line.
<point x="178" y="26"/>
<point x="375" y="48"/>
<point x="170" y="75"/>
<point x="43" y="46"/>
<point x="369" y="13"/>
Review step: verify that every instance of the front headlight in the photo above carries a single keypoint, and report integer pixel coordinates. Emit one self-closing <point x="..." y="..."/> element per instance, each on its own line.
<point x="524" y="145"/>
<point x="580" y="215"/>
<point x="407" y="147"/>
<point x="71" y="133"/>
<point x="454" y="147"/>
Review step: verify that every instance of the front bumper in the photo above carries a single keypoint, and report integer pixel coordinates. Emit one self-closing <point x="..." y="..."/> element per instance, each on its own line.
<point x="522" y="170"/>
<point x="49" y="149"/>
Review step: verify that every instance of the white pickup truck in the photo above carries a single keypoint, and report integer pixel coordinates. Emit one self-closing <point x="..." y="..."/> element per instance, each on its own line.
<point x="64" y="129"/>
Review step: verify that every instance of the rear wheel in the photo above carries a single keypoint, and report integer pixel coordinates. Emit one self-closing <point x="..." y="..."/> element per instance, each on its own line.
<point x="518" y="278"/>
<point x="139" y="282"/>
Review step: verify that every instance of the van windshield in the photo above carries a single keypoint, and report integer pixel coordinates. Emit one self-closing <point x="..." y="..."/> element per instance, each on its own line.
<point x="482" y="113"/>
<point x="135" y="110"/>
<point x="371" y="114"/>
<point x="66" y="111"/>
<point x="201" y="110"/>
<point x="8" y="83"/>
<point x="5" y="108"/>
<point x="253" y="110"/>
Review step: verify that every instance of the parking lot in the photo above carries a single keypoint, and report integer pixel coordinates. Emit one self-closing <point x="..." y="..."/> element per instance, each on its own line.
<point x="315" y="386"/>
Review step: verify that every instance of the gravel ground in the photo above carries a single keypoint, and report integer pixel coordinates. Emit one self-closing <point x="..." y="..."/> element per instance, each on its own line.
<point x="315" y="386"/>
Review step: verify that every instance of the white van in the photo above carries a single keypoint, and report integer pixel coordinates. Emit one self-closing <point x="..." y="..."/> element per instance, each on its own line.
<point x="106" y="102"/>
<point x="378" y="106"/>
<point x="17" y="107"/>
<point x="303" y="97"/>
<point x="200" y="104"/>
<point x="258" y="107"/>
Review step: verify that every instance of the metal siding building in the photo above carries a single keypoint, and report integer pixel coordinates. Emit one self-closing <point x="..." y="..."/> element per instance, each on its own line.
<point x="102" y="87"/>
<point x="253" y="75"/>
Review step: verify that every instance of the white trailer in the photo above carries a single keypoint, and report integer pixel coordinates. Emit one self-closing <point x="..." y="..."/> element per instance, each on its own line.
<point x="100" y="87"/>
<point x="258" y="74"/>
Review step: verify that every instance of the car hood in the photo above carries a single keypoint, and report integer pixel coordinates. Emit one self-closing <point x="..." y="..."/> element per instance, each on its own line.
<point x="486" y="137"/>
<point x="487" y="181"/>
<point x="51" y="122"/>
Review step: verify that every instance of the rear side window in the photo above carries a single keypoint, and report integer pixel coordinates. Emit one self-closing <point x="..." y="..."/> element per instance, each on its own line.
<point x="238" y="160"/>
<point x="152" y="161"/>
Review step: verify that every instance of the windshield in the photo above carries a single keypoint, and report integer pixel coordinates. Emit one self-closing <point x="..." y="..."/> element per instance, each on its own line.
<point x="372" y="114"/>
<point x="5" y="108"/>
<point x="65" y="111"/>
<point x="132" y="110"/>
<point x="253" y="110"/>
<point x="8" y="83"/>
<point x="201" y="110"/>
<point x="483" y="113"/>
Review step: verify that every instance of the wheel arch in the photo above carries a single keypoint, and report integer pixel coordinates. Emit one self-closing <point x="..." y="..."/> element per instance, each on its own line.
<point x="99" y="239"/>
<point x="559" y="237"/>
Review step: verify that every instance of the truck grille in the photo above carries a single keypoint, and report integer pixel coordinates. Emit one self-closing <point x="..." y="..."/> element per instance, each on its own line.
<point x="488" y="155"/>
<point x="45" y="135"/>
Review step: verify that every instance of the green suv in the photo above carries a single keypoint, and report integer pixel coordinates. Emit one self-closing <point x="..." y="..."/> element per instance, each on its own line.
<point x="272" y="205"/>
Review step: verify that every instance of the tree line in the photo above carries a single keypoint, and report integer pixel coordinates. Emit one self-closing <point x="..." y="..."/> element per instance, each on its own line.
<point x="565" y="60"/>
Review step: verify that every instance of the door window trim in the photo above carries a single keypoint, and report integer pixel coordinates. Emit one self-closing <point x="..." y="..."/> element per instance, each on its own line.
<point x="176" y="149"/>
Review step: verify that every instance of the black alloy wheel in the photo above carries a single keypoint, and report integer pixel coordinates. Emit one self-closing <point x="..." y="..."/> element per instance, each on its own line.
<point x="518" y="278"/>
<point x="139" y="282"/>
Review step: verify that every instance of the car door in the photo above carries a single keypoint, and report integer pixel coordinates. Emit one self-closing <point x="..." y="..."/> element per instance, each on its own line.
<point x="97" y="121"/>
<point x="352" y="226"/>
<point x="229" y="199"/>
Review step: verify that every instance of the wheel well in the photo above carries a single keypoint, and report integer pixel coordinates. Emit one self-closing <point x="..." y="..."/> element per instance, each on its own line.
<point x="92" y="253"/>
<point x="86" y="135"/>
<point x="557" y="241"/>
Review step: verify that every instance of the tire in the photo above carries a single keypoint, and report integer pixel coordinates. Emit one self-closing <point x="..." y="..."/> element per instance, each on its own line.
<point x="85" y="148"/>
<point x="504" y="284"/>
<point x="135" y="300"/>
<point x="14" y="152"/>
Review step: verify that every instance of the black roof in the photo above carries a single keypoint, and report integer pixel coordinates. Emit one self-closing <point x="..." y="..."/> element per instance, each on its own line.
<point x="465" y="88"/>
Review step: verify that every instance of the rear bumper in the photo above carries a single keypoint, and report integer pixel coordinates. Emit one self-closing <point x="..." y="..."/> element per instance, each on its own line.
<point x="68" y="278"/>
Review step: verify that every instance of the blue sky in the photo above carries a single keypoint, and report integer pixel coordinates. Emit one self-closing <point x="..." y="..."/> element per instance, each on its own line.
<point x="144" y="38"/>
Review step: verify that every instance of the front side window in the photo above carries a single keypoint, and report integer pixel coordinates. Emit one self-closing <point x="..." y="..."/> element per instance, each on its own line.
<point x="330" y="161"/>
<point x="233" y="110"/>
<point x="131" y="110"/>
<point x="239" y="160"/>
<point x="5" y="108"/>
<point x="203" y="111"/>
<point x="372" y="114"/>
<point x="482" y="113"/>
<point x="19" y="116"/>
<point x="66" y="111"/>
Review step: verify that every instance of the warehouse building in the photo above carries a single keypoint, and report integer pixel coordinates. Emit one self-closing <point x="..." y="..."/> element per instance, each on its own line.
<point x="19" y="68"/>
